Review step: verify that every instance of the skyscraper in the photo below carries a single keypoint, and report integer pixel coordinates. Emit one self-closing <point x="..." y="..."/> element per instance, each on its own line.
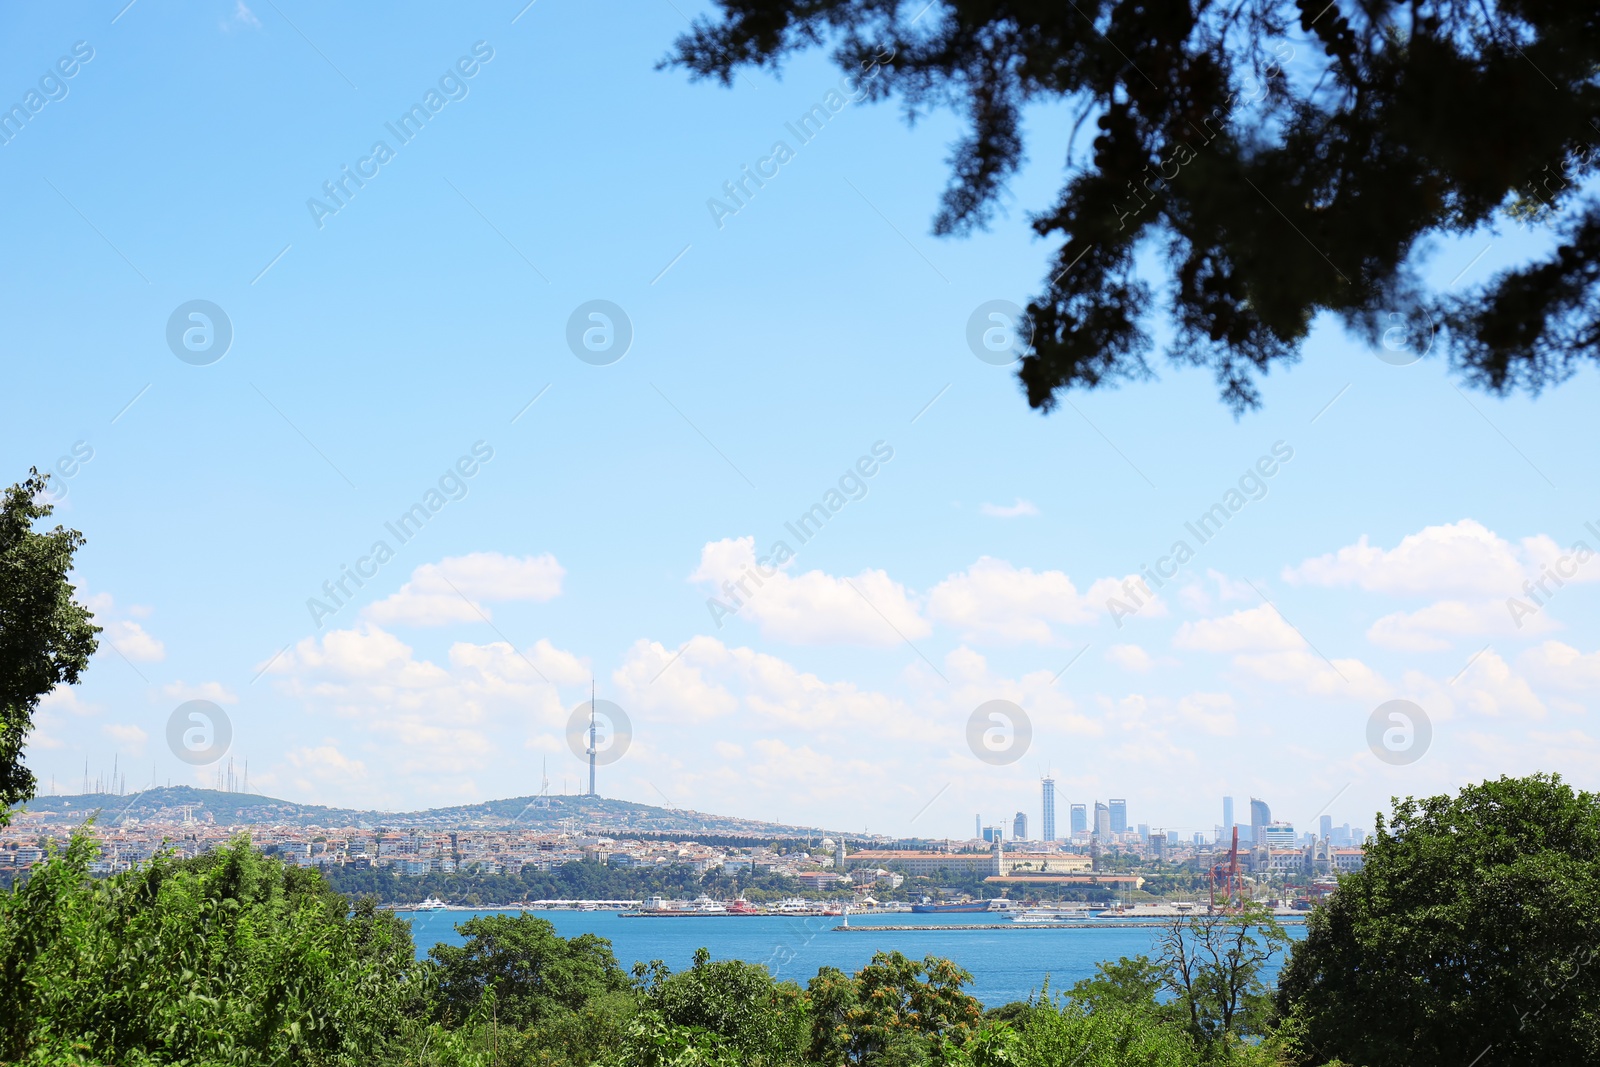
<point x="1325" y="827"/>
<point x="977" y="827"/>
<point x="1227" y="820"/>
<point x="1102" y="820"/>
<point x="1260" y="819"/>
<point x="1047" y="822"/>
<point x="1019" y="827"/>
<point x="1080" y="819"/>
<point x="1119" y="816"/>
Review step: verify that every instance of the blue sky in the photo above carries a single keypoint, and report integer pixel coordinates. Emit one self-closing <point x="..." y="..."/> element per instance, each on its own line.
<point x="374" y="347"/>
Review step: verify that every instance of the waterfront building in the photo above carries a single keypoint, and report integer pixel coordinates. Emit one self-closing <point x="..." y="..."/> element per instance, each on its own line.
<point x="930" y="864"/>
<point x="1042" y="863"/>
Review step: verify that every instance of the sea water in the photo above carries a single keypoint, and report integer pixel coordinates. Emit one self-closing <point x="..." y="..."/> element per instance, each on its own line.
<point x="1006" y="964"/>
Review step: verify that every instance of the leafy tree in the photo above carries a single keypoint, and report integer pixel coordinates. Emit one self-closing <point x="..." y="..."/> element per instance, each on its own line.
<point x="535" y="974"/>
<point x="1281" y="173"/>
<point x="737" y="1005"/>
<point x="46" y="637"/>
<point x="894" y="1011"/>
<point x="1127" y="984"/>
<point x="1114" y="1035"/>
<point x="1470" y="936"/>
<point x="231" y="958"/>
<point x="1215" y="965"/>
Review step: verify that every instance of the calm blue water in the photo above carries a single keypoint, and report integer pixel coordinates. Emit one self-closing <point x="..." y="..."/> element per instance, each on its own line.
<point x="1005" y="964"/>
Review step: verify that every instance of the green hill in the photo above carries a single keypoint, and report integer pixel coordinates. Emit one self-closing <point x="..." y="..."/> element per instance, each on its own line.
<point x="574" y="813"/>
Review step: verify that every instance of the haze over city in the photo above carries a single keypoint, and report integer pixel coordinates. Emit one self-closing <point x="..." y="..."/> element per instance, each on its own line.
<point x="800" y="530"/>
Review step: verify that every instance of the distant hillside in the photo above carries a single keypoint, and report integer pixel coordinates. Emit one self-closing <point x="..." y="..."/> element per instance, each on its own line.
<point x="599" y="814"/>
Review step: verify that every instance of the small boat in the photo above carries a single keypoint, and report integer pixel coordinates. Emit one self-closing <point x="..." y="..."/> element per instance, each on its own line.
<point x="795" y="906"/>
<point x="431" y="904"/>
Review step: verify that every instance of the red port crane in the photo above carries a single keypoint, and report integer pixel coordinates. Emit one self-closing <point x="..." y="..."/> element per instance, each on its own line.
<point x="1232" y="880"/>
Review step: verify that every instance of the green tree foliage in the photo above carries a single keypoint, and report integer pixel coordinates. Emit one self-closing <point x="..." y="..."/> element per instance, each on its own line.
<point x="1216" y="967"/>
<point x="1471" y="935"/>
<point x="721" y="1009"/>
<point x="894" y="1011"/>
<point x="535" y="975"/>
<point x="46" y="637"/>
<point x="1288" y="157"/>
<point x="227" y="959"/>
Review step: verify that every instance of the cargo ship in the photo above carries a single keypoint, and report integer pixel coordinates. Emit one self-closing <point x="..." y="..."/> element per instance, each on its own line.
<point x="961" y="906"/>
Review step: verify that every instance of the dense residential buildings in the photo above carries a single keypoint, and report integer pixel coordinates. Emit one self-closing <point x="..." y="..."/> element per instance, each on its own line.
<point x="1096" y="853"/>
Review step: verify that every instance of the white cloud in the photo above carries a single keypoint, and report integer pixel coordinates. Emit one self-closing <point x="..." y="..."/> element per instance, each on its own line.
<point x="1211" y="712"/>
<point x="813" y="608"/>
<point x="499" y="663"/>
<point x="1248" y="630"/>
<point x="131" y="639"/>
<point x="1132" y="595"/>
<point x="1130" y="658"/>
<point x="1492" y="688"/>
<point x="126" y="733"/>
<point x="1459" y="556"/>
<point x="1228" y="589"/>
<point x="67" y="698"/>
<point x="996" y="600"/>
<point x="326" y="762"/>
<point x="456" y="588"/>
<point x="712" y="681"/>
<point x="1010" y="511"/>
<point x="1563" y="667"/>
<point x="242" y="16"/>
<point x="1308" y="672"/>
<point x="1454" y="558"/>
<point x="431" y="726"/>
<point x="215" y="692"/>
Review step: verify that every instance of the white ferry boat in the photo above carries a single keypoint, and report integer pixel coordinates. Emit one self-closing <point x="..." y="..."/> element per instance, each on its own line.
<point x="431" y="904"/>
<point x="1039" y="915"/>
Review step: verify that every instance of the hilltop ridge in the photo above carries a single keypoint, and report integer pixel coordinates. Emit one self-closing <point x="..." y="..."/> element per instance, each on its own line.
<point x="573" y="813"/>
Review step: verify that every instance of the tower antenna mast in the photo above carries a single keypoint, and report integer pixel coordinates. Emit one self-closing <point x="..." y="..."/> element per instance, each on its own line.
<point x="591" y="738"/>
